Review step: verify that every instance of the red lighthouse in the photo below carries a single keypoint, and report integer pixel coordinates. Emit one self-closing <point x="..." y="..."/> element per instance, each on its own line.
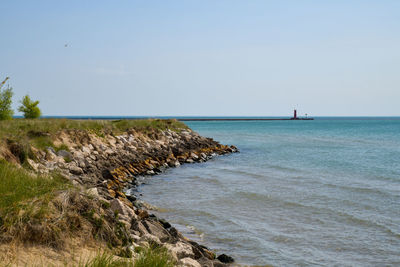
<point x="295" y="115"/>
<point x="297" y="118"/>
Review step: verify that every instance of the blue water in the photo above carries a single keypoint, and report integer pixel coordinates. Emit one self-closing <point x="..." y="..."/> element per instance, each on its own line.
<point x="300" y="193"/>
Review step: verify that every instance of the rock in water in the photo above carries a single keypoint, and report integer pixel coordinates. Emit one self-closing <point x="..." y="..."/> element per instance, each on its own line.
<point x="225" y="258"/>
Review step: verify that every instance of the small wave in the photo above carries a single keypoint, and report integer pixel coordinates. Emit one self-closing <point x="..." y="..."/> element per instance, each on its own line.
<point x="264" y="197"/>
<point x="212" y="181"/>
<point x="368" y="223"/>
<point x="349" y="218"/>
<point x="363" y="190"/>
<point x="284" y="168"/>
<point x="244" y="173"/>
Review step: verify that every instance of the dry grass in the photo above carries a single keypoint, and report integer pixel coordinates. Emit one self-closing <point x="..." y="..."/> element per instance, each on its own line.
<point x="154" y="256"/>
<point x="16" y="254"/>
<point x="25" y="200"/>
<point x="81" y="255"/>
<point x="47" y="210"/>
<point x="42" y="127"/>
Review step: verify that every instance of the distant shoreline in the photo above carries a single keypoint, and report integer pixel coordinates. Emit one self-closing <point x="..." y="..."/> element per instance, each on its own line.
<point x="213" y="118"/>
<point x="248" y="119"/>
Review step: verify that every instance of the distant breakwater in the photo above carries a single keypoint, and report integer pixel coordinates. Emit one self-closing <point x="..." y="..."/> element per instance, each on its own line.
<point x="244" y="119"/>
<point x="177" y="118"/>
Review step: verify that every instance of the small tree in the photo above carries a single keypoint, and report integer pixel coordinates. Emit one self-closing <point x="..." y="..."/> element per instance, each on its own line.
<point x="29" y="108"/>
<point x="6" y="112"/>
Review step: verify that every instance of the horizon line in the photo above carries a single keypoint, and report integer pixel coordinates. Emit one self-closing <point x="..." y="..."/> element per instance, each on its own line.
<point x="208" y="116"/>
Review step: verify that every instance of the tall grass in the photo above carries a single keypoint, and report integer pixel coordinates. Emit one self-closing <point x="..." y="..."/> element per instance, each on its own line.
<point x="20" y="193"/>
<point x="107" y="260"/>
<point x="155" y="256"/>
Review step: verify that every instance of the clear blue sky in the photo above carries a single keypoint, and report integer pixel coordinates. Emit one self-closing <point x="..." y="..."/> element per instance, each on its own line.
<point x="221" y="58"/>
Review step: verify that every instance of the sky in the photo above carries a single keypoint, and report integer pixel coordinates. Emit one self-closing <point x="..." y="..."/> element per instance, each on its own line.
<point x="203" y="58"/>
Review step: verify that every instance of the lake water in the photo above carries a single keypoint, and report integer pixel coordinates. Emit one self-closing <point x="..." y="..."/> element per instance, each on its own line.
<point x="300" y="193"/>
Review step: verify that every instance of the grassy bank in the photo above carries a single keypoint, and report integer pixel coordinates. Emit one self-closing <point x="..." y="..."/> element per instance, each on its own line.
<point x="19" y="135"/>
<point x="25" y="201"/>
<point x="26" y="127"/>
<point x="47" y="210"/>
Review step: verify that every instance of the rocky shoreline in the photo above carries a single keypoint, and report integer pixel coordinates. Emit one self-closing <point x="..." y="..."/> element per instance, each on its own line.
<point x="105" y="165"/>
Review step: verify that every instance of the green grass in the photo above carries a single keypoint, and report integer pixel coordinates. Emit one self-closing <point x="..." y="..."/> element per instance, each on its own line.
<point x="23" y="195"/>
<point x="40" y="142"/>
<point x="155" y="256"/>
<point x="107" y="260"/>
<point x="35" y="128"/>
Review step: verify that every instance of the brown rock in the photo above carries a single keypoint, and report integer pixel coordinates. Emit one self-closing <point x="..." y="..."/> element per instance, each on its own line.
<point x="142" y="214"/>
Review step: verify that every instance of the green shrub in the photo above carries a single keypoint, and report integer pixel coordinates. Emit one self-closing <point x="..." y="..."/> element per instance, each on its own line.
<point x="6" y="112"/>
<point x="155" y="256"/>
<point x="29" y="108"/>
<point x="106" y="260"/>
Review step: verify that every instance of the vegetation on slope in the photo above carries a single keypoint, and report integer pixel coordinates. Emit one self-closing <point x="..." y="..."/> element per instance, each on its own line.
<point x="27" y="127"/>
<point x="47" y="209"/>
<point x="24" y="201"/>
<point x="154" y="256"/>
<point x="20" y="135"/>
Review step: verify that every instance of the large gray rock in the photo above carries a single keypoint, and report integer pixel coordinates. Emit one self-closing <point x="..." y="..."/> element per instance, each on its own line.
<point x="157" y="229"/>
<point x="86" y="151"/>
<point x="180" y="250"/>
<point x="150" y="238"/>
<point x="75" y="170"/>
<point x="137" y="226"/>
<point x="93" y="192"/>
<point x="188" y="262"/>
<point x="78" y="154"/>
<point x="121" y="208"/>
